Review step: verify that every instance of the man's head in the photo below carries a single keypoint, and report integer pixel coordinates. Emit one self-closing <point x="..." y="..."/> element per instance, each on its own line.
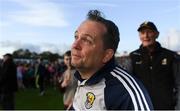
<point x="96" y="41"/>
<point x="67" y="58"/>
<point x="7" y="57"/>
<point x="148" y="33"/>
<point x="111" y="36"/>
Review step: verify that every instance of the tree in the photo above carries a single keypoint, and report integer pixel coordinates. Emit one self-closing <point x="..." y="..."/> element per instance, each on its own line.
<point x="26" y="54"/>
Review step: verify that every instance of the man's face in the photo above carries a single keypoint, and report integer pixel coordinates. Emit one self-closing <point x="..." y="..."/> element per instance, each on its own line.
<point x="87" y="50"/>
<point x="67" y="60"/>
<point x="5" y="58"/>
<point x="148" y="37"/>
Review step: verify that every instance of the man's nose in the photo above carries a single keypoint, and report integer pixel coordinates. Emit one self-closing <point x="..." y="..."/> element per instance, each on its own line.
<point x="146" y="34"/>
<point x="77" y="44"/>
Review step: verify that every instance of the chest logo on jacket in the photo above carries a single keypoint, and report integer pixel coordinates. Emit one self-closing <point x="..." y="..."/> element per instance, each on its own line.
<point x="90" y="97"/>
<point x="138" y="62"/>
<point x="164" y="61"/>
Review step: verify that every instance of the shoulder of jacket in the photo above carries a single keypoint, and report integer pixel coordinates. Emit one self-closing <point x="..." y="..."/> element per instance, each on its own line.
<point x="168" y="51"/>
<point x="135" y="53"/>
<point x="177" y="57"/>
<point x="171" y="53"/>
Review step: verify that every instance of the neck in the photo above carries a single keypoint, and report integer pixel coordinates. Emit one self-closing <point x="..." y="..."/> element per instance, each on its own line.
<point x="151" y="48"/>
<point x="87" y="73"/>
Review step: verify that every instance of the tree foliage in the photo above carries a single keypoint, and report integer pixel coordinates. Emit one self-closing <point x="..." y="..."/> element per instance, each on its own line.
<point x="26" y="54"/>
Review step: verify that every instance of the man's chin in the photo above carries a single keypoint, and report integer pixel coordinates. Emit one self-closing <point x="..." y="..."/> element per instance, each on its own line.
<point x="76" y="65"/>
<point x="146" y="44"/>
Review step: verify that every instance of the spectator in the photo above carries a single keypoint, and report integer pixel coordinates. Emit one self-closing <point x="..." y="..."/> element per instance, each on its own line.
<point x="69" y="81"/>
<point x="8" y="82"/>
<point x="40" y="74"/>
<point x="154" y="66"/>
<point x="20" y="76"/>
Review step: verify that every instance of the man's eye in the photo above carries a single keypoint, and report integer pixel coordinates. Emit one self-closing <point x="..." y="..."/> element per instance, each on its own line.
<point x="75" y="37"/>
<point x="87" y="41"/>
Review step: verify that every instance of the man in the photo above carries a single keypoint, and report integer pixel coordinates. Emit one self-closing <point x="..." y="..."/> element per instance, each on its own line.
<point x="69" y="81"/>
<point x="154" y="65"/>
<point x="102" y="85"/>
<point x="8" y="82"/>
<point x="40" y="75"/>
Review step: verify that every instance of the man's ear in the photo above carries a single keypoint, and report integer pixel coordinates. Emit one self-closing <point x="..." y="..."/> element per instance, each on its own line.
<point x="157" y="34"/>
<point x="108" y="55"/>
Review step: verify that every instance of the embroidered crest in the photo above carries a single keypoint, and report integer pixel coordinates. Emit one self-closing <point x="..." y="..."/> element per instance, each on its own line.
<point x="90" y="97"/>
<point x="138" y="62"/>
<point x="164" y="61"/>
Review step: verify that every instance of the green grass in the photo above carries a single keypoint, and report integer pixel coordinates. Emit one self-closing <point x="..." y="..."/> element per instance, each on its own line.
<point x="29" y="99"/>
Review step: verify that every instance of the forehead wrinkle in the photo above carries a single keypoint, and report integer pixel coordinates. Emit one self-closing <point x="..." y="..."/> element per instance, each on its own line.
<point x="86" y="34"/>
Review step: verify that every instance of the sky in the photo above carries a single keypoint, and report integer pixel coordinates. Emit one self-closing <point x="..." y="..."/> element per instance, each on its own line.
<point x="49" y="25"/>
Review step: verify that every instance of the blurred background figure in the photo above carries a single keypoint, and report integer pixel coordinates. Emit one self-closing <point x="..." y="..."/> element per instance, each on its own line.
<point x="40" y="74"/>
<point x="8" y="82"/>
<point x="20" y="76"/>
<point x="69" y="81"/>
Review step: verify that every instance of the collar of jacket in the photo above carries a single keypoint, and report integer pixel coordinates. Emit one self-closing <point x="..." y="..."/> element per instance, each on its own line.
<point x="96" y="77"/>
<point x="156" y="49"/>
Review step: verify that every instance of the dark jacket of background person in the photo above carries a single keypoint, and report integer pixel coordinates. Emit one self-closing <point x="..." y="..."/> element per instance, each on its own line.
<point x="160" y="75"/>
<point x="0" y="77"/>
<point x="41" y="72"/>
<point x="8" y="79"/>
<point x="8" y="82"/>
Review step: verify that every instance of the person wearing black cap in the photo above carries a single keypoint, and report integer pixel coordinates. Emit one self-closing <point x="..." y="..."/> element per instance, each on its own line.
<point x="157" y="68"/>
<point x="8" y="82"/>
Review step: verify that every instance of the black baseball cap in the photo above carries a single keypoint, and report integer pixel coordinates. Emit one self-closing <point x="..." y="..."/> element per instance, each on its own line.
<point x="149" y="25"/>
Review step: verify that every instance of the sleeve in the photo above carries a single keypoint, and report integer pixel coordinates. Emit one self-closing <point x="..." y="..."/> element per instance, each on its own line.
<point x="126" y="93"/>
<point x="36" y="70"/>
<point x="65" y="79"/>
<point x="116" y="99"/>
<point x="176" y="71"/>
<point x="0" y="75"/>
<point x="4" y="73"/>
